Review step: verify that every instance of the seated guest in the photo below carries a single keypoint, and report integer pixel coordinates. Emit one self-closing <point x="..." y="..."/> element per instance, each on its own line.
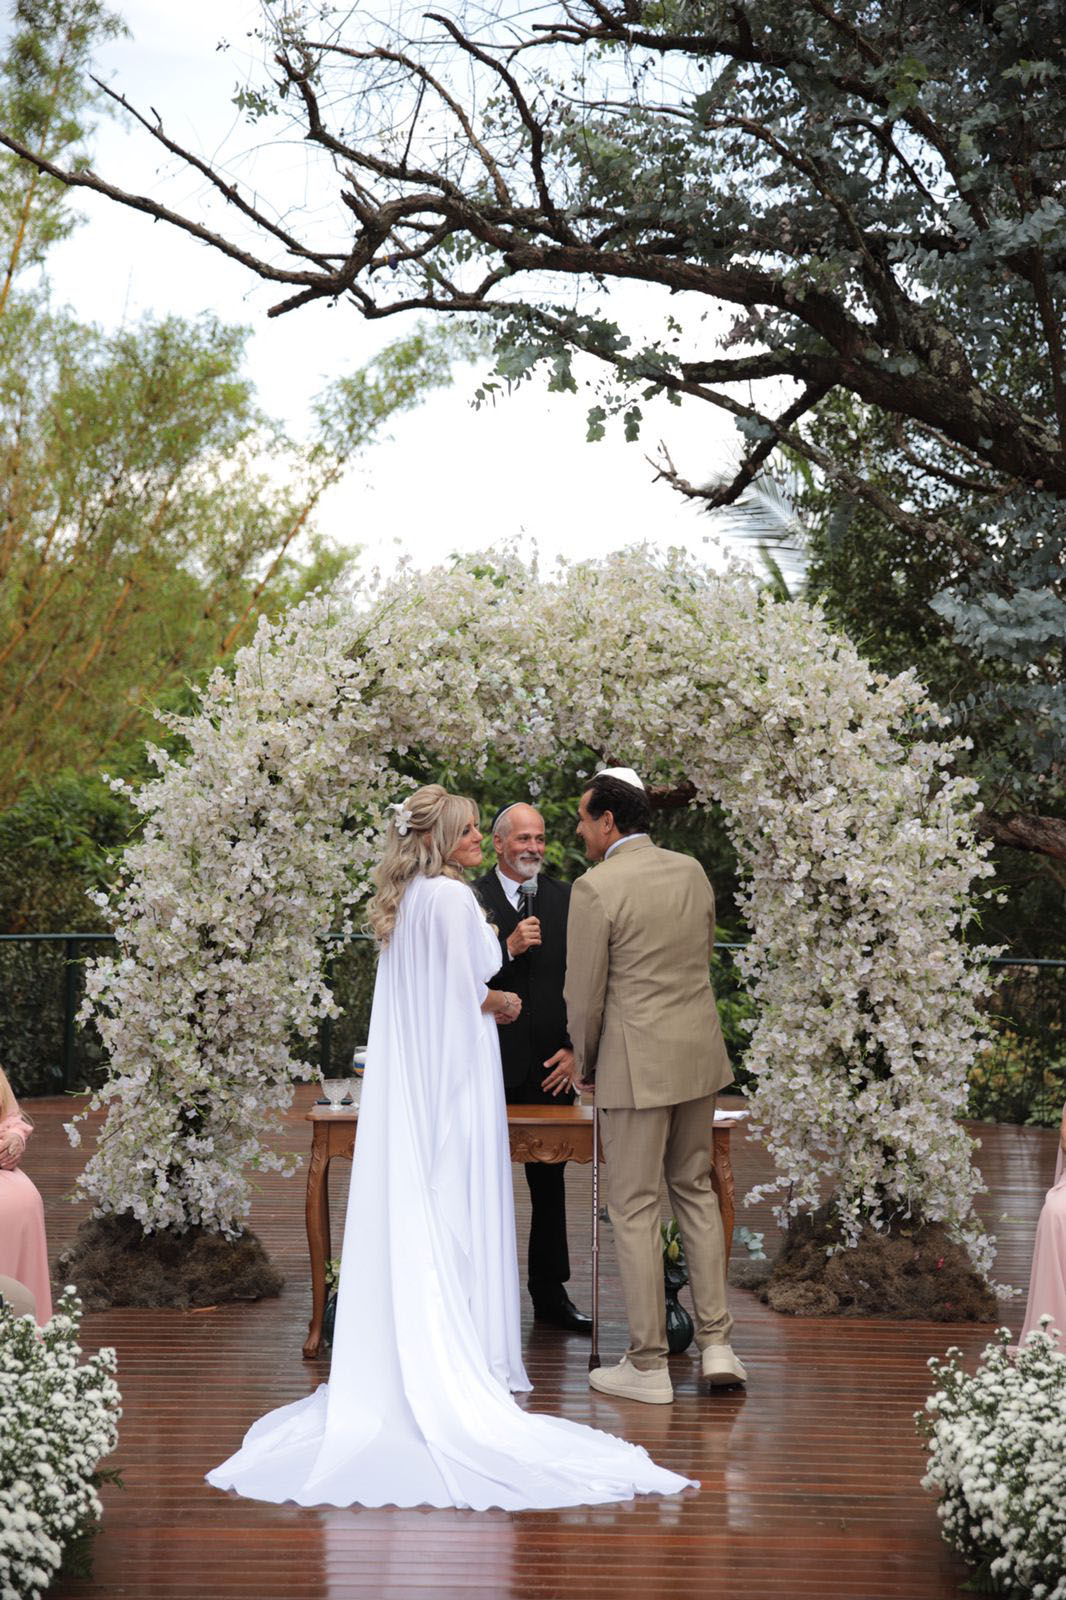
<point x="1047" y="1284"/>
<point x="23" y="1248"/>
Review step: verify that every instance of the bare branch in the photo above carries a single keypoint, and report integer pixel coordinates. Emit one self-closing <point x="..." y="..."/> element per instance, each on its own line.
<point x="229" y="191"/>
<point x="724" y="494"/>
<point x="529" y="121"/>
<point x="85" y="178"/>
<point x="741" y="369"/>
<point x="428" y="78"/>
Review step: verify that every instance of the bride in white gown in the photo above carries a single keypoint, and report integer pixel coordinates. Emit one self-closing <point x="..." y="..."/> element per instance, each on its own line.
<point x="426" y="1350"/>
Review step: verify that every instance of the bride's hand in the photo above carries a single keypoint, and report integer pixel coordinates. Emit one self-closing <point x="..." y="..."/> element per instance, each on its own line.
<point x="504" y="1007"/>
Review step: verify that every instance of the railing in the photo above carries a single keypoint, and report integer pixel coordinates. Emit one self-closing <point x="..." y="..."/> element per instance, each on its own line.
<point x="65" y="1075"/>
<point x="29" y="1037"/>
<point x="1022" y="1078"/>
<point x="11" y="1055"/>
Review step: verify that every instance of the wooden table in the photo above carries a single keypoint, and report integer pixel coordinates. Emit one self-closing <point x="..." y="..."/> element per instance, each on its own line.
<point x="538" y="1133"/>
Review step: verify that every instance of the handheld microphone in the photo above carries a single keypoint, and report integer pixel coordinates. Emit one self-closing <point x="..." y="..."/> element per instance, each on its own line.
<point x="527" y="890"/>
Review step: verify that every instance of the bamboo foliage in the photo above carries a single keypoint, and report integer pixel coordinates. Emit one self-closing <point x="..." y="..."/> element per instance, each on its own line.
<point x="45" y="94"/>
<point x="150" y="515"/>
<point x="149" y="512"/>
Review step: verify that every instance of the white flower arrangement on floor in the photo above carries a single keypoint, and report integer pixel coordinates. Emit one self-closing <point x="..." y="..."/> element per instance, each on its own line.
<point x="998" y="1456"/>
<point x="60" y="1418"/>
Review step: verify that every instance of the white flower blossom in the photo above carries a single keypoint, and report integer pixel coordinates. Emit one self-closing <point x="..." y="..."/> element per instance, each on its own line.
<point x="60" y="1418"/>
<point x="997" y="1454"/>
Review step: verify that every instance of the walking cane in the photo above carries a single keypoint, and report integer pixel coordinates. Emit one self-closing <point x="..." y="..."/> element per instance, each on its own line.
<point x="594" y="1357"/>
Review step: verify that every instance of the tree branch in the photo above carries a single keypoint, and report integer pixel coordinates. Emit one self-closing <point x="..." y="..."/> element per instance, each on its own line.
<point x="1021" y="830"/>
<point x="726" y="493"/>
<point x="229" y="191"/>
<point x="529" y="121"/>
<point x="85" y="178"/>
<point x="1052" y="326"/>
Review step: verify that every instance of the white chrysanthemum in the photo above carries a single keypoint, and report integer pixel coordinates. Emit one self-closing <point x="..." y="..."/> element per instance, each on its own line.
<point x="997" y="1454"/>
<point x="60" y="1417"/>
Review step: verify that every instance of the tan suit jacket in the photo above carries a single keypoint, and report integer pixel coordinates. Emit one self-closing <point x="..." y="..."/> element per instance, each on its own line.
<point x="639" y="1001"/>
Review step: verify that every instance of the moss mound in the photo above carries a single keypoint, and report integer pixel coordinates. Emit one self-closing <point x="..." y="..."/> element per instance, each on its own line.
<point x="746" y="1272"/>
<point x="911" y="1270"/>
<point x="114" y="1263"/>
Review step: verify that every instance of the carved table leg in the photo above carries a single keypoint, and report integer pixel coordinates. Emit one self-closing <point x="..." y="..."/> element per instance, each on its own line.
<point x="317" y="1236"/>
<point x="724" y="1185"/>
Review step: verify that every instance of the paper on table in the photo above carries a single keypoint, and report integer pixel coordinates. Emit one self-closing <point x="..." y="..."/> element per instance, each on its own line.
<point x="723" y="1118"/>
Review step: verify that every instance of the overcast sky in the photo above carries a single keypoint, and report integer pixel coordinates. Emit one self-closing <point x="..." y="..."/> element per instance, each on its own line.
<point x="448" y="478"/>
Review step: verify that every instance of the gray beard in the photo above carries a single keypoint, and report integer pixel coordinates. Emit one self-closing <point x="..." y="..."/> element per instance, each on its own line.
<point x="528" y="870"/>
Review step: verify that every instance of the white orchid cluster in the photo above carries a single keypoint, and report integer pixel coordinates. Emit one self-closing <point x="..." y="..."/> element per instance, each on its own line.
<point x="856" y="842"/>
<point x="997" y="1454"/>
<point x="60" y="1418"/>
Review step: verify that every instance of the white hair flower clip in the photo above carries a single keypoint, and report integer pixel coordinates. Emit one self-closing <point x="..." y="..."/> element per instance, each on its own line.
<point x="401" y="817"/>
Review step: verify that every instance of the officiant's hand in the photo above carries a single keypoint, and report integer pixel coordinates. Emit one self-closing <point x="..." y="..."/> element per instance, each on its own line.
<point x="523" y="937"/>
<point x="562" y="1074"/>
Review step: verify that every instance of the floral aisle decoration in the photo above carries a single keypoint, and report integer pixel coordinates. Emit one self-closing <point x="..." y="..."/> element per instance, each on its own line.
<point x="60" y="1418"/>
<point x="856" y="842"/>
<point x="997" y="1454"/>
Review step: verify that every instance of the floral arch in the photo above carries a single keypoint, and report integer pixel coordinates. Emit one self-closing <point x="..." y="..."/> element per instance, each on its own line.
<point x="856" y="844"/>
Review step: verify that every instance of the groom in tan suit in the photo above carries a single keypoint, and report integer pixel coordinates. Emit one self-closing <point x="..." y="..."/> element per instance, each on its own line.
<point x="644" y="1027"/>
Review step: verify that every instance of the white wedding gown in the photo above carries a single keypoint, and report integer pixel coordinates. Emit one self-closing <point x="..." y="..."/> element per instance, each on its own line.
<point x="417" y="1410"/>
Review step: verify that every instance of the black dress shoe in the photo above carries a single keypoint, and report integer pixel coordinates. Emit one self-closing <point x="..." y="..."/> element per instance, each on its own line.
<point x="563" y="1314"/>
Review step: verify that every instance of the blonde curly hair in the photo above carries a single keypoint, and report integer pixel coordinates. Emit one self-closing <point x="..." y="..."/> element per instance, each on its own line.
<point x="434" y="821"/>
<point x="8" y="1104"/>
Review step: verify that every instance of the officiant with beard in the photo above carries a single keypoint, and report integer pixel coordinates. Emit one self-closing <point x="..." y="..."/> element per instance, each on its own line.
<point x="529" y="911"/>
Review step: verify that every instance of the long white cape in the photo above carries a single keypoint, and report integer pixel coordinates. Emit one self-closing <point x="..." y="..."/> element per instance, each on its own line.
<point x="426" y="1348"/>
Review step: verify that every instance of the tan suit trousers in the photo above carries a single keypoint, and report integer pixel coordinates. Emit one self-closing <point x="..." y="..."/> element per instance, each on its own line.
<point x="641" y="1147"/>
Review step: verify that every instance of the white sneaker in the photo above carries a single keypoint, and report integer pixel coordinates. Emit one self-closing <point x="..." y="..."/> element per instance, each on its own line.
<point x="627" y="1382"/>
<point x="719" y="1368"/>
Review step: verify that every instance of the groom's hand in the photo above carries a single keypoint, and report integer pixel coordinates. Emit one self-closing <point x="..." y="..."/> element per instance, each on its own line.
<point x="561" y="1073"/>
<point x="523" y="937"/>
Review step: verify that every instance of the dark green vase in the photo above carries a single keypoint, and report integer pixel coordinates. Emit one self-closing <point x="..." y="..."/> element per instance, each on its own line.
<point x="329" y="1317"/>
<point x="679" y="1326"/>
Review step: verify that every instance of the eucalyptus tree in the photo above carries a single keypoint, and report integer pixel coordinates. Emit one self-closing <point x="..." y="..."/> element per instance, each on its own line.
<point x="877" y="193"/>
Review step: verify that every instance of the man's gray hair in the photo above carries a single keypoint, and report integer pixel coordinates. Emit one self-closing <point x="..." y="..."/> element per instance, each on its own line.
<point x="501" y="827"/>
<point x="503" y="822"/>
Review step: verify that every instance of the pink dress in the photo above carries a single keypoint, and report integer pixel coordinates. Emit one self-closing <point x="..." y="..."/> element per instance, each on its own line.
<point x="23" y="1247"/>
<point x="1047" y="1285"/>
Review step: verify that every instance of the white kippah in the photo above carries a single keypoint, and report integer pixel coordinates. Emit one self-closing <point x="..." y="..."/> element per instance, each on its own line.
<point x="623" y="774"/>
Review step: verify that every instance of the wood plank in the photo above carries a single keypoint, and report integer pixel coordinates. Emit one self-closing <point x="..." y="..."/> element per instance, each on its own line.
<point x="810" y="1481"/>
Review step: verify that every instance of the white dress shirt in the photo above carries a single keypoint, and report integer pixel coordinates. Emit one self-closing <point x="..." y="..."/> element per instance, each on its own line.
<point x="624" y="840"/>
<point x="510" y="888"/>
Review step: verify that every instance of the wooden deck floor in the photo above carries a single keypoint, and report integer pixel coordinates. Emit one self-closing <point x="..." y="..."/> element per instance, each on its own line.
<point x="810" y="1480"/>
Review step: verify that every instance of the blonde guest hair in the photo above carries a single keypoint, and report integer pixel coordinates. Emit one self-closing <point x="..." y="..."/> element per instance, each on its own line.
<point x="8" y="1104"/>
<point x="434" y="821"/>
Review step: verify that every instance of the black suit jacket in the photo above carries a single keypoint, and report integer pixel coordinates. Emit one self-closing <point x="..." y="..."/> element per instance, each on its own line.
<point x="536" y="976"/>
